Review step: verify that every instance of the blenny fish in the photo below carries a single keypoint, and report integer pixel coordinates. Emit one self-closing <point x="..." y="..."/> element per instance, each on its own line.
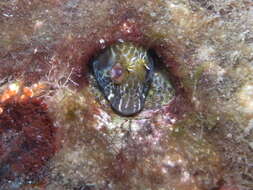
<point x="124" y="73"/>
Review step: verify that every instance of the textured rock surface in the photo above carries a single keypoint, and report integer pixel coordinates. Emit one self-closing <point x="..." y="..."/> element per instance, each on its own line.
<point x="197" y="136"/>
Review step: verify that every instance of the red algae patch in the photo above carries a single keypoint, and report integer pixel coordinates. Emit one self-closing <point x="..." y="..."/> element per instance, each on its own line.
<point x="26" y="142"/>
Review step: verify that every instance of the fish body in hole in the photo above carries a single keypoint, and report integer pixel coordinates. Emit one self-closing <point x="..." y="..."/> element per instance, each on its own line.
<point x="124" y="72"/>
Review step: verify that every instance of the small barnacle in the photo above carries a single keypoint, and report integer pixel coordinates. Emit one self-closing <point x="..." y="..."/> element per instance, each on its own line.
<point x="124" y="72"/>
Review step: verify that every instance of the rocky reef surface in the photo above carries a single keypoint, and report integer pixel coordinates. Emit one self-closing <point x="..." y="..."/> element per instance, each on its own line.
<point x="57" y="131"/>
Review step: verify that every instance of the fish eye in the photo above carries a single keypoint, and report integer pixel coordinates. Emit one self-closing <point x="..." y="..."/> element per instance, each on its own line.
<point x="117" y="73"/>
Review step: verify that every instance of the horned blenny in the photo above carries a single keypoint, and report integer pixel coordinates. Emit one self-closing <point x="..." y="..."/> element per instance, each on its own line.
<point x="124" y="73"/>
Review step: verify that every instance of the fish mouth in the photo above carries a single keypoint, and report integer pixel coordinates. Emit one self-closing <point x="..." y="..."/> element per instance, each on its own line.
<point x="129" y="98"/>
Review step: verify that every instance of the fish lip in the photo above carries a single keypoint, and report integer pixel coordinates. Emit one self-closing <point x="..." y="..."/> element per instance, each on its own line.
<point x="126" y="113"/>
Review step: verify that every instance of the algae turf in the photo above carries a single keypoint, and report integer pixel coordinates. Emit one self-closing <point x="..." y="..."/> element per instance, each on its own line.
<point x="195" y="131"/>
